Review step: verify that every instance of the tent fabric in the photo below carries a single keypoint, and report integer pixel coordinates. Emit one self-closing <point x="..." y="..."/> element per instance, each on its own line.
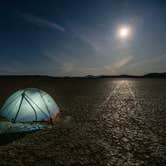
<point x="29" y="105"/>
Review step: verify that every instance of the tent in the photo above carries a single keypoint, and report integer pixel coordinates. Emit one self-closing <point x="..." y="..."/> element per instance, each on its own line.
<point x="30" y="105"/>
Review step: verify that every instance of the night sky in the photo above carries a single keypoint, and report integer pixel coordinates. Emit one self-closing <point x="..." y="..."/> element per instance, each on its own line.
<point x="80" y="37"/>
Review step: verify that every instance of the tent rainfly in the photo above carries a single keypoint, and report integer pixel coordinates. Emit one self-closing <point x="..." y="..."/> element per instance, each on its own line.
<point x="30" y="105"/>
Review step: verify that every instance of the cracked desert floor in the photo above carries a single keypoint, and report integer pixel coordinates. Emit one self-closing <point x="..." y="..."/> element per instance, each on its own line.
<point x="103" y="122"/>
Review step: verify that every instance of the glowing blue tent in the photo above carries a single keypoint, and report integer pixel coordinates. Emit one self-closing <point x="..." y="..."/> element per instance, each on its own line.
<point x="29" y="105"/>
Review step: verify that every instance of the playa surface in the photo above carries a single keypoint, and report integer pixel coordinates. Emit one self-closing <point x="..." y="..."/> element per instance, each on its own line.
<point x="102" y="122"/>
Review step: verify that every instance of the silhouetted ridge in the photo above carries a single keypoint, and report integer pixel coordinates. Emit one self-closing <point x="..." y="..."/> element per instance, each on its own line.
<point x="148" y="75"/>
<point x="155" y="75"/>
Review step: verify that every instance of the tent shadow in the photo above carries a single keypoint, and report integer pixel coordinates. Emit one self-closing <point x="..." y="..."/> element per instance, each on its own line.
<point x="6" y="138"/>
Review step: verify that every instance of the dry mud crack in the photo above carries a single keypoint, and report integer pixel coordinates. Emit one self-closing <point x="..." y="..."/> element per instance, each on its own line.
<point x="122" y="128"/>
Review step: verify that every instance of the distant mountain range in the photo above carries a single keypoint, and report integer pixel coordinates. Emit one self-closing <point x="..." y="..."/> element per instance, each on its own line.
<point x="149" y="75"/>
<point x="155" y="75"/>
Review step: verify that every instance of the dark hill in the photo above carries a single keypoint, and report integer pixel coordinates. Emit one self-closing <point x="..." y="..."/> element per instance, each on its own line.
<point x="155" y="75"/>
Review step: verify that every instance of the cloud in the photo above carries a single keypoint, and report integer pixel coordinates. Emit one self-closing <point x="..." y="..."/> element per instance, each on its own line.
<point x="119" y="63"/>
<point x="86" y="40"/>
<point x="42" y="22"/>
<point x="60" y="63"/>
<point x="152" y="61"/>
<point x="122" y="62"/>
<point x="148" y="64"/>
<point x="76" y="32"/>
<point x="118" y="66"/>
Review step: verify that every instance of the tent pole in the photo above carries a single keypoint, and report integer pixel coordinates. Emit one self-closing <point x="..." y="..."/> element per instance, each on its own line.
<point x="46" y="106"/>
<point x="31" y="106"/>
<point x="36" y="105"/>
<point x="19" y="107"/>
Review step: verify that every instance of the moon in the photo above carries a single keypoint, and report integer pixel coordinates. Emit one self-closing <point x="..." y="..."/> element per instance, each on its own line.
<point x="124" y="32"/>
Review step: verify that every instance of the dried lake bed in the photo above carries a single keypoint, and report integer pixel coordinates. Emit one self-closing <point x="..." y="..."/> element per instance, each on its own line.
<point x="103" y="121"/>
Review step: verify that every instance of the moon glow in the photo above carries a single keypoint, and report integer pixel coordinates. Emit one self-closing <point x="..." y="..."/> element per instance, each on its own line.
<point x="124" y="32"/>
